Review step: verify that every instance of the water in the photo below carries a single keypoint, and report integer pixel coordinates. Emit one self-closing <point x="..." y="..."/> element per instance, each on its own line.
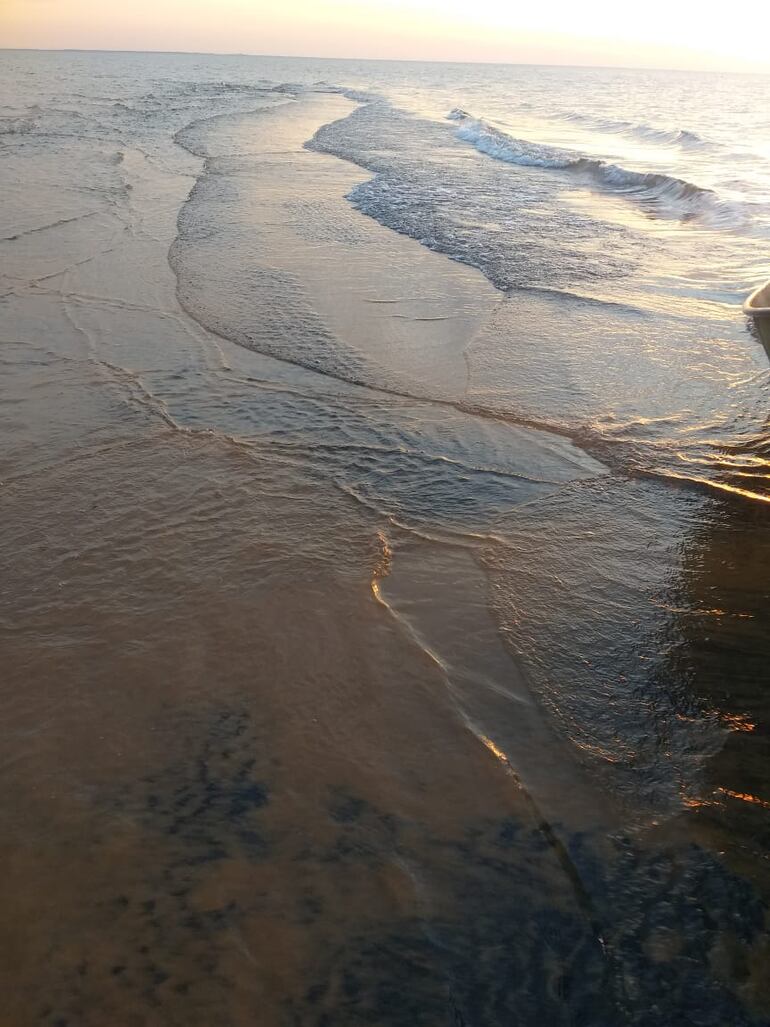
<point x="385" y="477"/>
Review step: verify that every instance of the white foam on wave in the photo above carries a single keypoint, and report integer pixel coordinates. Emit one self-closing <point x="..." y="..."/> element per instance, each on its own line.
<point x="671" y="197"/>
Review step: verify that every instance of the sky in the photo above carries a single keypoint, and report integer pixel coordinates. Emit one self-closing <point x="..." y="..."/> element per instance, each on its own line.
<point x="631" y="33"/>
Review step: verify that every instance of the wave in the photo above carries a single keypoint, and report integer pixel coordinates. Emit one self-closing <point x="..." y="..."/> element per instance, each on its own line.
<point x="17" y="126"/>
<point x="668" y="195"/>
<point x="357" y="95"/>
<point x="298" y="89"/>
<point x="648" y="133"/>
<point x="205" y="89"/>
<point x="263" y="309"/>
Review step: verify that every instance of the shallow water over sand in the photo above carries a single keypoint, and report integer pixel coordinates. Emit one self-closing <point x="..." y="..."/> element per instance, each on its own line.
<point x="365" y="661"/>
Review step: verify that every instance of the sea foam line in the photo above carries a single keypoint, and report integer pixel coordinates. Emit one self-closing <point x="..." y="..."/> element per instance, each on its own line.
<point x="671" y="196"/>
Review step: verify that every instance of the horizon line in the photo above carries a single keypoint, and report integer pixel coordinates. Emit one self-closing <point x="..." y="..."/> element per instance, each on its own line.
<point x="378" y="60"/>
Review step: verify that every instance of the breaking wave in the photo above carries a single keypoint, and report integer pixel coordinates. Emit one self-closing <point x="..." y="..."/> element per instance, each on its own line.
<point x="670" y="196"/>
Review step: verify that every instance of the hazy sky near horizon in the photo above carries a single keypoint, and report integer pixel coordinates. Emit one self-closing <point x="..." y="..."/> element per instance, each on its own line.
<point x="647" y="33"/>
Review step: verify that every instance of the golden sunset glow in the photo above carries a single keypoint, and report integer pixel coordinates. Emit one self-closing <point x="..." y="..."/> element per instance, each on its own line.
<point x="753" y="800"/>
<point x="600" y="32"/>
